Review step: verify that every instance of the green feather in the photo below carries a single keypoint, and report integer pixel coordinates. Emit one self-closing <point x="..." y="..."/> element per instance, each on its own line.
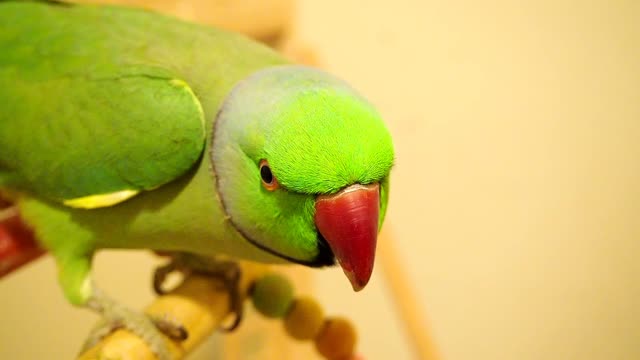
<point x="93" y="105"/>
<point x="317" y="134"/>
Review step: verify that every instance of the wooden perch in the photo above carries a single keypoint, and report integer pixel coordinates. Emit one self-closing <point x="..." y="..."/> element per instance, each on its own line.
<point x="200" y="304"/>
<point x="403" y="295"/>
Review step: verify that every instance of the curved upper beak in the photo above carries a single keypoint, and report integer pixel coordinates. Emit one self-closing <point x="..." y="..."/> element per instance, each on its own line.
<point x="348" y="220"/>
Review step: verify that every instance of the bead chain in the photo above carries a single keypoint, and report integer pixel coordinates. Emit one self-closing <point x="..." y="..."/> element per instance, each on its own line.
<point x="303" y="318"/>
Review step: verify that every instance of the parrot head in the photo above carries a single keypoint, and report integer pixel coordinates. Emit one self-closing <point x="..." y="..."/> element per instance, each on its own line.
<point x="302" y="167"/>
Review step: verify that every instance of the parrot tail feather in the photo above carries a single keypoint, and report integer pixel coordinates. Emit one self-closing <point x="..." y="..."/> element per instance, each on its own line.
<point x="18" y="245"/>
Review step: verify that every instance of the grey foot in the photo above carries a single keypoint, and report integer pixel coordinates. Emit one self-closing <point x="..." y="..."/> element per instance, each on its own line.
<point x="228" y="272"/>
<point x="149" y="329"/>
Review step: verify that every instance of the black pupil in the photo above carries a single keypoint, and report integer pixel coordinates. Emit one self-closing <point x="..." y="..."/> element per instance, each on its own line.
<point x="266" y="174"/>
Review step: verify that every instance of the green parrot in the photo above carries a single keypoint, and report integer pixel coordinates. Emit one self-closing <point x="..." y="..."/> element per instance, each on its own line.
<point x="123" y="128"/>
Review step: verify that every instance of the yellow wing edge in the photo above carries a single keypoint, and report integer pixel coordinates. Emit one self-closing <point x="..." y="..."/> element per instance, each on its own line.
<point x="101" y="200"/>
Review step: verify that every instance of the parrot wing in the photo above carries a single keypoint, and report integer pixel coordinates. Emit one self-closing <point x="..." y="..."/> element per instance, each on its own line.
<point x="96" y="140"/>
<point x="86" y="120"/>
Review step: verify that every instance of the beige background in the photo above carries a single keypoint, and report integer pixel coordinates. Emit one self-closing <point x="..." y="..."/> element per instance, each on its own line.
<point x="515" y="197"/>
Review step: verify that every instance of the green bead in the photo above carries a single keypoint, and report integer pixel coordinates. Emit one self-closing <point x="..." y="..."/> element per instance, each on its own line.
<point x="272" y="295"/>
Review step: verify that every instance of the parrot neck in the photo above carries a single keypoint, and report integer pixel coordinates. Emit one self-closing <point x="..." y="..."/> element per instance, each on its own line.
<point x="185" y="216"/>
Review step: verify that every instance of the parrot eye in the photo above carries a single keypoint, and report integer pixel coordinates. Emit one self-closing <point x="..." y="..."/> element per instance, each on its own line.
<point x="268" y="180"/>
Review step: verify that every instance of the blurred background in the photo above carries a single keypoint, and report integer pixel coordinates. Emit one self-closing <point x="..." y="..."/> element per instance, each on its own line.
<point x="515" y="201"/>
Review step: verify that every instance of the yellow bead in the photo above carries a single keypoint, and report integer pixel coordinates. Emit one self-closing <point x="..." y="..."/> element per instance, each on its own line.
<point x="305" y="319"/>
<point x="272" y="295"/>
<point x="337" y="339"/>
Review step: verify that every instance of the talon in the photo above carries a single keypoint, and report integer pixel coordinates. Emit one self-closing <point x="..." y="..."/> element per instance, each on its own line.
<point x="228" y="272"/>
<point x="236" y="306"/>
<point x="116" y="316"/>
<point x="235" y="324"/>
<point x="160" y="275"/>
<point x="172" y="329"/>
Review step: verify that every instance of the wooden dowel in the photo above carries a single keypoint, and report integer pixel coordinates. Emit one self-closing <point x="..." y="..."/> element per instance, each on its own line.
<point x="410" y="311"/>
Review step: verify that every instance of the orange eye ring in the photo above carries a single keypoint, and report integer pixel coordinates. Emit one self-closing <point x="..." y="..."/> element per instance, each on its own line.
<point x="269" y="181"/>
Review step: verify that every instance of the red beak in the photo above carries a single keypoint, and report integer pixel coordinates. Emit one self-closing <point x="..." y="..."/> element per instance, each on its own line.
<point x="348" y="220"/>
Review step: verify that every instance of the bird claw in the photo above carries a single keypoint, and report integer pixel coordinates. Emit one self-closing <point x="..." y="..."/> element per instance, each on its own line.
<point x="160" y="275"/>
<point x="231" y="282"/>
<point x="171" y="328"/>
<point x="148" y="328"/>
<point x="228" y="272"/>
